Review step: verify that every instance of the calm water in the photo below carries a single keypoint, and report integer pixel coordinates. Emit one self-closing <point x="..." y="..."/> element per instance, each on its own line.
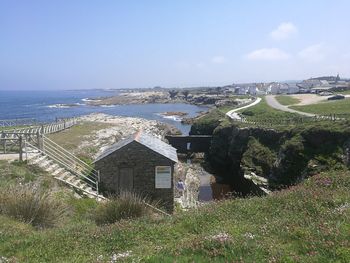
<point x="44" y="106"/>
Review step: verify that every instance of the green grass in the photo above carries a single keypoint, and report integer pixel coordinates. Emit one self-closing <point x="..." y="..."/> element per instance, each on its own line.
<point x="207" y="123"/>
<point x="264" y="111"/>
<point x="73" y="137"/>
<point x="327" y="107"/>
<point x="345" y="92"/>
<point x="307" y="223"/>
<point x="287" y="100"/>
<point x="21" y="173"/>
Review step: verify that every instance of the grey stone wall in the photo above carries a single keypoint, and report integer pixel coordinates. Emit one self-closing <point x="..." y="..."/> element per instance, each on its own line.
<point x="144" y="162"/>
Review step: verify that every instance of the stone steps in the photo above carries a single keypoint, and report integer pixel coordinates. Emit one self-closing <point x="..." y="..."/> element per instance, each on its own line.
<point x="62" y="174"/>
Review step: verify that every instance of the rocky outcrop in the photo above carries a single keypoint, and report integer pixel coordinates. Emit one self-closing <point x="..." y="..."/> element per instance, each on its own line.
<point x="282" y="157"/>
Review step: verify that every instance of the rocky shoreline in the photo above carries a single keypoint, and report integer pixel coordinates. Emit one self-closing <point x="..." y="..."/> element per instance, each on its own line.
<point x="120" y="128"/>
<point x="195" y="97"/>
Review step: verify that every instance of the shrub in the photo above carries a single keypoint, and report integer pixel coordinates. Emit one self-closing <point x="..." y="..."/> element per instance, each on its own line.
<point x="31" y="205"/>
<point x="125" y="206"/>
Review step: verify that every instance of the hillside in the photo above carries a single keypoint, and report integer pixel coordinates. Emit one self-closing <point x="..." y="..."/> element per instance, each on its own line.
<point x="306" y="223"/>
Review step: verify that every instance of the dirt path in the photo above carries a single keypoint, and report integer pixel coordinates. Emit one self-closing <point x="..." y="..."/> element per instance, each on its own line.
<point x="272" y="102"/>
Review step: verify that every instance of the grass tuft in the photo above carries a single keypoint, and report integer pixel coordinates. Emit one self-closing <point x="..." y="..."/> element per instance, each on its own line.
<point x="127" y="205"/>
<point x="31" y="205"/>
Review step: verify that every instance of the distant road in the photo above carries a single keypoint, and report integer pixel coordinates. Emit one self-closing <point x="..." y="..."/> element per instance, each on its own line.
<point x="233" y="113"/>
<point x="272" y="102"/>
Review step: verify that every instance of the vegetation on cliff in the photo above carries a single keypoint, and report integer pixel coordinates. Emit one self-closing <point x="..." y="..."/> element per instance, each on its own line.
<point x="285" y="156"/>
<point x="305" y="223"/>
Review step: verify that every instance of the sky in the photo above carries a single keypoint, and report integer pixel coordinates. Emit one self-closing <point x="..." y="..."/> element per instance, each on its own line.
<point x="64" y="44"/>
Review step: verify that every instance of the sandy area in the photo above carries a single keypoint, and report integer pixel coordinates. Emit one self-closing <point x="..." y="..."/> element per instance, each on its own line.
<point x="122" y="127"/>
<point x="306" y="99"/>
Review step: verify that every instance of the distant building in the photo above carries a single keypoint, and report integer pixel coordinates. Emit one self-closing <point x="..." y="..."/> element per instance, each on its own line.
<point x="252" y="90"/>
<point x="142" y="164"/>
<point x="241" y="90"/>
<point x="293" y="88"/>
<point x="273" y="88"/>
<point x="283" y="88"/>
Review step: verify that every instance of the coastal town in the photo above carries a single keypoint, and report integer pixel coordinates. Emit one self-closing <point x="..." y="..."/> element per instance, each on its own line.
<point x="220" y="96"/>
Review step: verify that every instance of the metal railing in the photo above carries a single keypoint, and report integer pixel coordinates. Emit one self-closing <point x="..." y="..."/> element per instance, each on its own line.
<point x="90" y="177"/>
<point x="71" y="162"/>
<point x="45" y="128"/>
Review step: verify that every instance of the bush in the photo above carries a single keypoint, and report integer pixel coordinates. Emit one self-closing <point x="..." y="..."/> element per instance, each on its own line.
<point x="31" y="205"/>
<point x="126" y="206"/>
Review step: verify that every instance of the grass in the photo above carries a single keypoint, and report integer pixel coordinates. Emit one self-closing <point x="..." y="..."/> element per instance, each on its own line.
<point x="125" y="206"/>
<point x="31" y="205"/>
<point x="264" y="111"/>
<point x="287" y="100"/>
<point x="73" y="137"/>
<point x="306" y="223"/>
<point x="207" y="123"/>
<point x="19" y="173"/>
<point x="327" y="107"/>
<point x="345" y="92"/>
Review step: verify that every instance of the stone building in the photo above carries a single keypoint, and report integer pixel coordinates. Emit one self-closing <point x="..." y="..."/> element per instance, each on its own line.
<point x="142" y="164"/>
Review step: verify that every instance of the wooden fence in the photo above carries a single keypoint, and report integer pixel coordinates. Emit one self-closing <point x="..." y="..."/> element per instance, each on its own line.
<point x="11" y="141"/>
<point x="18" y="122"/>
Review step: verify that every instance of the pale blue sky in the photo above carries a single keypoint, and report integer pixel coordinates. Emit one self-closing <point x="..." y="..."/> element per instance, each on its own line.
<point x="134" y="44"/>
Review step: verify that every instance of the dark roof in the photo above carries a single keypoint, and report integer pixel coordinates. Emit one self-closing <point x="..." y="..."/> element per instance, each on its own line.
<point x="147" y="140"/>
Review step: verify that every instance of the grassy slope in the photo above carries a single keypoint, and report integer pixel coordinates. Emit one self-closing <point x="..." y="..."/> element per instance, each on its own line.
<point x="307" y="223"/>
<point x="264" y="111"/>
<point x="287" y="100"/>
<point x="72" y="138"/>
<point x="328" y="107"/>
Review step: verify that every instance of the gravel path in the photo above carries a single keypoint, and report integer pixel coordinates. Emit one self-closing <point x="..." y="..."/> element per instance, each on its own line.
<point x="272" y="102"/>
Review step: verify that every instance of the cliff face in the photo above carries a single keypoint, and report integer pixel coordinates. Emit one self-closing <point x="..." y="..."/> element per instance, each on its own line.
<point x="282" y="157"/>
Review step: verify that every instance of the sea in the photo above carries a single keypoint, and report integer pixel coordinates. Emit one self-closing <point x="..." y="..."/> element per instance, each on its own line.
<point x="46" y="106"/>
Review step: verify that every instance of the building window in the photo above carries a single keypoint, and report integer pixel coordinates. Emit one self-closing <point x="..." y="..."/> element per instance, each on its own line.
<point x="163" y="177"/>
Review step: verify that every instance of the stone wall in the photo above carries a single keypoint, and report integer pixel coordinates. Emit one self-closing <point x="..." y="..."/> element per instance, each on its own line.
<point x="144" y="162"/>
<point x="197" y="143"/>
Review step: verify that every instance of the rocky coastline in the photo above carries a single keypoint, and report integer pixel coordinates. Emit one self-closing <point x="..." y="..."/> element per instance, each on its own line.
<point x="120" y="128"/>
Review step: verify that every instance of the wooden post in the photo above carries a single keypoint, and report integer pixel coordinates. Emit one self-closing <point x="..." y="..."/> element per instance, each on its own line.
<point x="3" y="141"/>
<point x="20" y="142"/>
<point x="39" y="140"/>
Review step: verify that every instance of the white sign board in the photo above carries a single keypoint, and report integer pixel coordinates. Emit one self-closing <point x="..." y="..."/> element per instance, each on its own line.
<point x="163" y="177"/>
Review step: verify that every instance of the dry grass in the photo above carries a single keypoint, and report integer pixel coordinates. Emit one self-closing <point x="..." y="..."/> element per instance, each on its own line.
<point x="73" y="137"/>
<point x="125" y="206"/>
<point x="31" y="205"/>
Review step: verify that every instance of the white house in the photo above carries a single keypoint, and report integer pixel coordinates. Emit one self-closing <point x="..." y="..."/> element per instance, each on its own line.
<point x="241" y="90"/>
<point x="273" y="88"/>
<point x="293" y="88"/>
<point x="252" y="90"/>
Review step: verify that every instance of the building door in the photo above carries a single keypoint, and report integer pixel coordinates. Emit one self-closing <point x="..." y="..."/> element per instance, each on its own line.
<point x="126" y="179"/>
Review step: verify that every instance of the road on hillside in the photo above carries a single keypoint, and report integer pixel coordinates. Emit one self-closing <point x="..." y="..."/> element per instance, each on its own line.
<point x="233" y="113"/>
<point x="272" y="102"/>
